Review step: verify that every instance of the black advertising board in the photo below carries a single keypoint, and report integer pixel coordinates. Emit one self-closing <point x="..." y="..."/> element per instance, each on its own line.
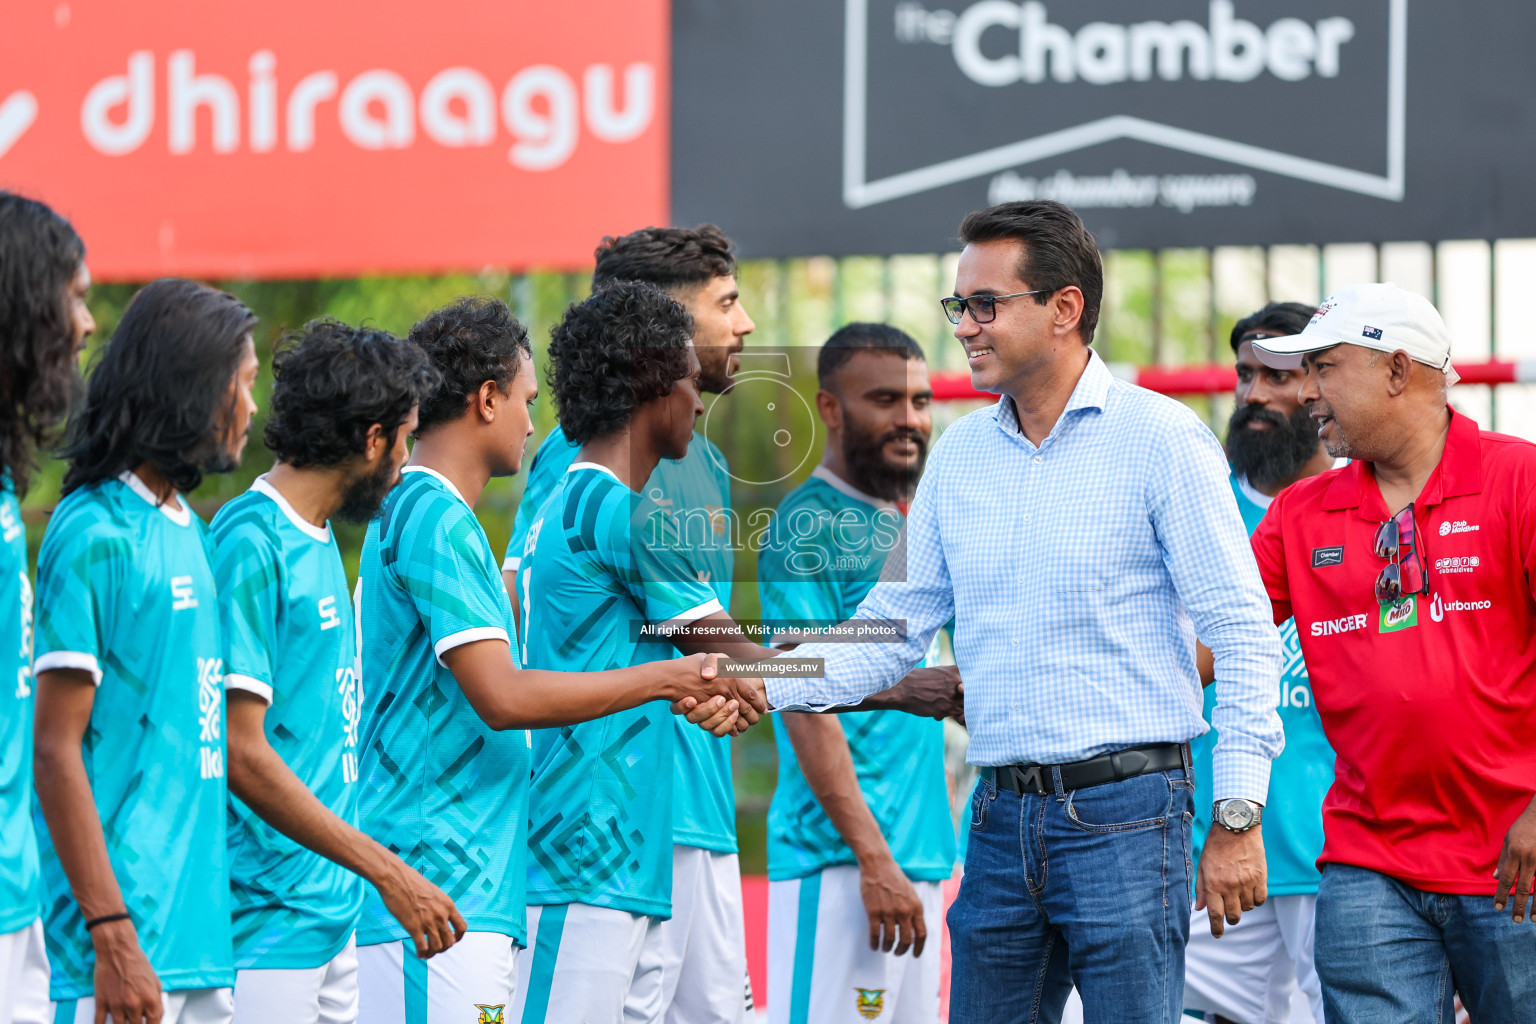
<point x="871" y="126"/>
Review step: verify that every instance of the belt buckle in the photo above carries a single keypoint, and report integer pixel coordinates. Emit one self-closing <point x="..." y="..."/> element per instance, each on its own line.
<point x="1032" y="775"/>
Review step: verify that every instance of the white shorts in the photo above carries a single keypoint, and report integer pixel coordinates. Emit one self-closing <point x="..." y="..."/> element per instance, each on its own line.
<point x="820" y="966"/>
<point x="473" y="980"/>
<point x="580" y="964"/>
<point x="24" y="976"/>
<point x="693" y="969"/>
<point x="189" y="1006"/>
<point x="303" y="995"/>
<point x="1251" y="972"/>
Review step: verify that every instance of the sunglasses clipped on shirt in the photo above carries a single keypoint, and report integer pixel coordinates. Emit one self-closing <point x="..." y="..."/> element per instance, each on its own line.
<point x="1404" y="576"/>
<point x="983" y="307"/>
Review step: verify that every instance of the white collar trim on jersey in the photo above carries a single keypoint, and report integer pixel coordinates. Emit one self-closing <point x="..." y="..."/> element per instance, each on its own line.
<point x="321" y="534"/>
<point x="180" y="513"/>
<point x="836" y="482"/>
<point x="1263" y="500"/>
<point x="1253" y="494"/>
<point x="593" y="465"/>
<point x="440" y="479"/>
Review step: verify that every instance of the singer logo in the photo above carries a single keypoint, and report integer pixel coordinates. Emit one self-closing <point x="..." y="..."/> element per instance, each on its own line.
<point x="1343" y="624"/>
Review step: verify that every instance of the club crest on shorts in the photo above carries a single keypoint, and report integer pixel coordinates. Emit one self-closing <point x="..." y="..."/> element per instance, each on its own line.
<point x="491" y="1014"/>
<point x="870" y="1002"/>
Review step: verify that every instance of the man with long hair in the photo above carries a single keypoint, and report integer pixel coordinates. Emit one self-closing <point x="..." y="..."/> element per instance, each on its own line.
<point x="343" y="403"/>
<point x="130" y="699"/>
<point x="445" y="758"/>
<point x="43" y="323"/>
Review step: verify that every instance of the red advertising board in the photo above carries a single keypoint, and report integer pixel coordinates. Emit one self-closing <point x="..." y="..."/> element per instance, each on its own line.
<point x="291" y="138"/>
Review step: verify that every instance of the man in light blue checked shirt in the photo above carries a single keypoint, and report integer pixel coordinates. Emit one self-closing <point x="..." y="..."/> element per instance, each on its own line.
<point x="1081" y="532"/>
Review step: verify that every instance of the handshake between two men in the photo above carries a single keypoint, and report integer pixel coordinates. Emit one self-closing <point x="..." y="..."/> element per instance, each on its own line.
<point x="709" y="686"/>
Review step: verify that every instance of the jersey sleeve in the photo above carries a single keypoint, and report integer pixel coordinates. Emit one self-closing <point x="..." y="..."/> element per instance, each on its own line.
<point x="451" y="579"/>
<point x="1268" y="542"/>
<point x="642" y="549"/>
<point x="80" y="568"/>
<point x="247" y="573"/>
<point x="550" y="462"/>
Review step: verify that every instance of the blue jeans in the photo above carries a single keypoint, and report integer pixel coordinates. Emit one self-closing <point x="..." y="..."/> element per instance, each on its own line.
<point x="1088" y="887"/>
<point x="1389" y="953"/>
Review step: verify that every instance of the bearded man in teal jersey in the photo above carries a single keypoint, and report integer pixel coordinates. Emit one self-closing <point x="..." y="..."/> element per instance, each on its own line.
<point x="859" y="833"/>
<point x="1255" y="970"/>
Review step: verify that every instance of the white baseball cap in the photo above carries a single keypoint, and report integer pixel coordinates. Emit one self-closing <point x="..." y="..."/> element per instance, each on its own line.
<point x="1379" y="316"/>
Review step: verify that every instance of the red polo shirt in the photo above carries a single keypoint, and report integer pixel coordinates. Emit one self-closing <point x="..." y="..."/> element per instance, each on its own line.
<point x="1433" y="721"/>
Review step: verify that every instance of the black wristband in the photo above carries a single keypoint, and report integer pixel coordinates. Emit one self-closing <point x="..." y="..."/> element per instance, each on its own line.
<point x="105" y="919"/>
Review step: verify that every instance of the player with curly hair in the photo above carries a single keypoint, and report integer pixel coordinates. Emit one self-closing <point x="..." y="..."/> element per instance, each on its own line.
<point x="697" y="962"/>
<point x="343" y="403"/>
<point x="605" y="581"/>
<point x="444" y="756"/>
<point x="43" y="322"/>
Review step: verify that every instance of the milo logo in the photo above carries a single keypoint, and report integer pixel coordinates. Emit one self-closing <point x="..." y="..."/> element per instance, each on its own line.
<point x="1399" y="615"/>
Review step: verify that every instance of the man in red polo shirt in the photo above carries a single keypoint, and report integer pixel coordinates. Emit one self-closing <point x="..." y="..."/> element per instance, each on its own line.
<point x="1411" y="573"/>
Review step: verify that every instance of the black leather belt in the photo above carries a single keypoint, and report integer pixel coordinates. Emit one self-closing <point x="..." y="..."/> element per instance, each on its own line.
<point x="1096" y="771"/>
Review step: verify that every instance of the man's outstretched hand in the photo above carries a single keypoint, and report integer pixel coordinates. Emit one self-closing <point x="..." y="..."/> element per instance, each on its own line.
<point x="723" y="705"/>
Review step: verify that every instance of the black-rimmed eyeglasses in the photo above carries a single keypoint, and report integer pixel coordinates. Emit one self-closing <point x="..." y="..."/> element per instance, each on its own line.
<point x="983" y="307"/>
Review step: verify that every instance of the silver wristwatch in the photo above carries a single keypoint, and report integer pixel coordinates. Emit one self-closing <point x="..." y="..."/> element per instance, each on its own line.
<point x="1236" y="815"/>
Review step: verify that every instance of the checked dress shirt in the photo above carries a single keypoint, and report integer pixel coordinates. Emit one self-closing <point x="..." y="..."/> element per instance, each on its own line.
<point x="1079" y="574"/>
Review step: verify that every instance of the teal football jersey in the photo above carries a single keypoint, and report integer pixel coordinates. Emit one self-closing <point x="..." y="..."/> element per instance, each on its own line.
<point x="125" y="591"/>
<point x="440" y="788"/>
<point x="598" y="561"/>
<point x="824" y="552"/>
<point x="289" y="638"/>
<point x="695" y="491"/>
<point x="1298" y="779"/>
<point x="18" y="844"/>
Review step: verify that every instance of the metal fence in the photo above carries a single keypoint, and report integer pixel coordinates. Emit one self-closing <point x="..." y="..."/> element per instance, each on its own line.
<point x="1168" y="308"/>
